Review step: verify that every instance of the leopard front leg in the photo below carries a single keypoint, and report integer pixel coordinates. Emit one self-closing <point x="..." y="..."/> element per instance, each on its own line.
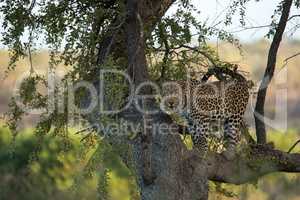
<point x="198" y="128"/>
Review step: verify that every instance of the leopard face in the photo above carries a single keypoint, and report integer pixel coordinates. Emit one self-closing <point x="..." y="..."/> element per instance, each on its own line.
<point x="173" y="97"/>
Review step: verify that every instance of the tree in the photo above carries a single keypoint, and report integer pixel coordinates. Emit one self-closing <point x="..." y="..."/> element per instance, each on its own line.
<point x="126" y="35"/>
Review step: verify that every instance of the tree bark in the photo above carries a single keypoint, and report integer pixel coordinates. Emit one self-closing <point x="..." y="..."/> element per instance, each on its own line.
<point x="163" y="164"/>
<point x="258" y="161"/>
<point x="269" y="73"/>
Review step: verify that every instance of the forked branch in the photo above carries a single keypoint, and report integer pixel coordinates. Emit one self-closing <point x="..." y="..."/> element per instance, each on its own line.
<point x="257" y="162"/>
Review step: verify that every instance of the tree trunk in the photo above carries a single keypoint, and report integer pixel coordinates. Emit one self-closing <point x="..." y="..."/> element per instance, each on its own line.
<point x="164" y="166"/>
<point x="259" y="113"/>
<point x="177" y="173"/>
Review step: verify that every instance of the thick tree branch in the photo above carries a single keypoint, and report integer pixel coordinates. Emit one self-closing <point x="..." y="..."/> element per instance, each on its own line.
<point x="259" y="161"/>
<point x="135" y="42"/>
<point x="220" y="73"/>
<point x="153" y="11"/>
<point x="166" y="51"/>
<point x="269" y="72"/>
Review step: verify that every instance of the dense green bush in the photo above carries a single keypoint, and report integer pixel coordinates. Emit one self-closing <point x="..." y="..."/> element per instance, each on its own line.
<point x="60" y="168"/>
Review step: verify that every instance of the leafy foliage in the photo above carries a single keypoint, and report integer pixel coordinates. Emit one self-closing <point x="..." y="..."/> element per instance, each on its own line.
<point x="80" y="172"/>
<point x="169" y="47"/>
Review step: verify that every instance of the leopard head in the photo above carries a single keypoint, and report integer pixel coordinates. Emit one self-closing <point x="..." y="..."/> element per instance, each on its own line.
<point x="173" y="96"/>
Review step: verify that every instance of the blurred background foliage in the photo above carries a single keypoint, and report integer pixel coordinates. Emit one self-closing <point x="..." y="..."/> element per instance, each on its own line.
<point x="56" y="172"/>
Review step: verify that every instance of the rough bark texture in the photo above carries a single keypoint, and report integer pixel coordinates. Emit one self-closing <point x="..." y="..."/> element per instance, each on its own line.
<point x="257" y="161"/>
<point x="163" y="163"/>
<point x="177" y="172"/>
<point x="114" y="43"/>
<point x="271" y="64"/>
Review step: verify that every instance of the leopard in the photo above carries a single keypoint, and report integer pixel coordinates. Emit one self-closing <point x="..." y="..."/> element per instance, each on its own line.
<point x="201" y="103"/>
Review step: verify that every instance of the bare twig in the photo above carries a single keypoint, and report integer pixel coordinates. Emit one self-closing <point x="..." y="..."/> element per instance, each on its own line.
<point x="201" y="52"/>
<point x="289" y="58"/>
<point x="31" y="6"/>
<point x="261" y="26"/>
<point x="30" y="35"/>
<point x="291" y="149"/>
<point x="293" y="16"/>
<point x="166" y="52"/>
<point x="250" y="28"/>
<point x="84" y="130"/>
<point x="30" y="55"/>
<point x="86" y="136"/>
<point x="285" y="62"/>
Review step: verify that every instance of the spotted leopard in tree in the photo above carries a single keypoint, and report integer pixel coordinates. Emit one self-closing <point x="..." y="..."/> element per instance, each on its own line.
<point x="201" y="103"/>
